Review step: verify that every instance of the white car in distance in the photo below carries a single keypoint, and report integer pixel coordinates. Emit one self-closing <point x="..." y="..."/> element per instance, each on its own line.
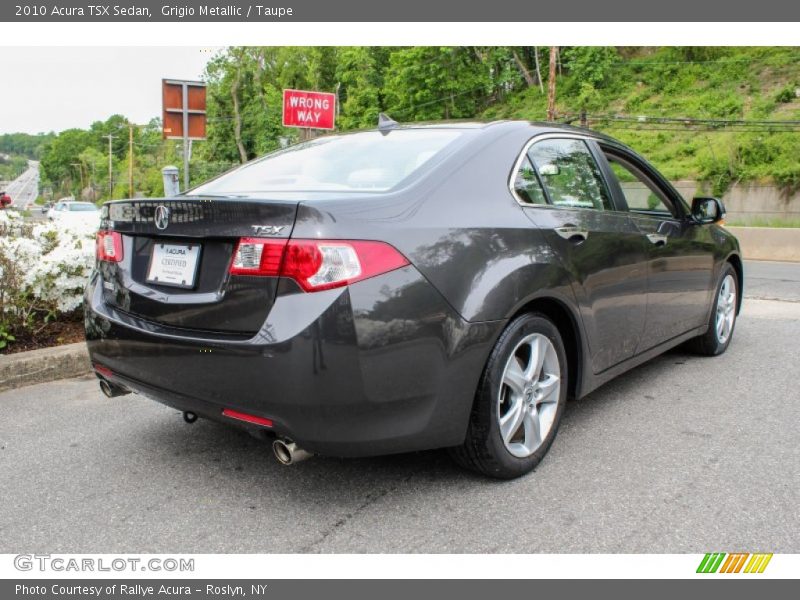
<point x="74" y="213"/>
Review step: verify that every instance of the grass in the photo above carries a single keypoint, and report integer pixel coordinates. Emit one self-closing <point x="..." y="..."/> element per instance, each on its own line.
<point x="764" y="222"/>
<point x="708" y="83"/>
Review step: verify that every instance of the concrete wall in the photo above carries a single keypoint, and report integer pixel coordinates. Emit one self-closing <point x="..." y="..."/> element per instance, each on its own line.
<point x="749" y="202"/>
<point x="769" y="243"/>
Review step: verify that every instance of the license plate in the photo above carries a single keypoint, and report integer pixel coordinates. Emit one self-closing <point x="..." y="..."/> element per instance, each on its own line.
<point x="174" y="264"/>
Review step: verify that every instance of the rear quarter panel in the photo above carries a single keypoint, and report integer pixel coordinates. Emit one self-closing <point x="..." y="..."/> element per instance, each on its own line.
<point x="460" y="227"/>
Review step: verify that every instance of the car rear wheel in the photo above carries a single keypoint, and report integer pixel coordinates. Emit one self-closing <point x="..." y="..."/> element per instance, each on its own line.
<point x="519" y="401"/>
<point x="723" y="316"/>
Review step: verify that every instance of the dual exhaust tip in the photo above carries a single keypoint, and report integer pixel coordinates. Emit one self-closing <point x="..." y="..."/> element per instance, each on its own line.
<point x="111" y="390"/>
<point x="286" y="451"/>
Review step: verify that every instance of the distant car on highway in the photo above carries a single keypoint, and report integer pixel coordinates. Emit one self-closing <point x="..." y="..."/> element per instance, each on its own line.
<point x="75" y="213"/>
<point x="5" y="200"/>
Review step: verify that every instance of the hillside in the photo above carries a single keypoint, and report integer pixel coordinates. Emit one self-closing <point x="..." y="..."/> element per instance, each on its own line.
<point x="696" y="113"/>
<point x="717" y="114"/>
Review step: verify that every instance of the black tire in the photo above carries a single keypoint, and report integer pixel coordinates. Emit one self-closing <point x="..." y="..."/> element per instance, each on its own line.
<point x="483" y="449"/>
<point x="709" y="344"/>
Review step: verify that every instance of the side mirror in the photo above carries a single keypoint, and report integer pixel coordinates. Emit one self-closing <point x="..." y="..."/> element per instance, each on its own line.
<point x="708" y="210"/>
<point x="549" y="170"/>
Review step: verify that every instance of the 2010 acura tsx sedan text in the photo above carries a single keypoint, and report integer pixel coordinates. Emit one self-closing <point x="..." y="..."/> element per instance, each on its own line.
<point x="409" y="288"/>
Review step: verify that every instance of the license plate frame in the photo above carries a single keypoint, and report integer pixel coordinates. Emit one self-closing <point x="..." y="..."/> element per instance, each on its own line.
<point x="174" y="275"/>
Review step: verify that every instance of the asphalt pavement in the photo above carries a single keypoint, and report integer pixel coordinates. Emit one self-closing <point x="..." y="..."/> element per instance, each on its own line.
<point x="683" y="454"/>
<point x="25" y="189"/>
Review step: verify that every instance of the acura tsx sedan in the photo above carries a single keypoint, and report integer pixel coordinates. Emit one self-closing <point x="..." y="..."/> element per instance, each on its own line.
<point x="409" y="288"/>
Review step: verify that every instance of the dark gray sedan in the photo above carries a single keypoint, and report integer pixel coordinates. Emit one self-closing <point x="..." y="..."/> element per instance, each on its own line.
<point x="440" y="286"/>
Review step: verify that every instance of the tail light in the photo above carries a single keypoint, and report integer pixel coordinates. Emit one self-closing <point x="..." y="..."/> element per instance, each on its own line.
<point x="109" y="246"/>
<point x="256" y="256"/>
<point x="316" y="264"/>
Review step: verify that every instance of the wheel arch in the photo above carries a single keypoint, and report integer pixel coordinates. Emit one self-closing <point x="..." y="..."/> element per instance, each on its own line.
<point x="568" y="326"/>
<point x="736" y="262"/>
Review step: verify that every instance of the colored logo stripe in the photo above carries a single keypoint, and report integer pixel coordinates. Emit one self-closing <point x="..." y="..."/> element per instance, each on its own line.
<point x="713" y="562"/>
<point x="758" y="563"/>
<point x="734" y="562"/>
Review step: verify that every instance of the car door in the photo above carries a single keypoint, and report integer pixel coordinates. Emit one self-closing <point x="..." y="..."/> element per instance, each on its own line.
<point x="680" y="262"/>
<point x="560" y="186"/>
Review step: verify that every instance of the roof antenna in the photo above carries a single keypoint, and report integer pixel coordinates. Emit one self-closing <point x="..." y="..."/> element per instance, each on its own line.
<point x="386" y="123"/>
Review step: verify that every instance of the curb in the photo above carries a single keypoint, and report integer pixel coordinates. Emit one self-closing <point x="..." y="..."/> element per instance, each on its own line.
<point x="40" y="366"/>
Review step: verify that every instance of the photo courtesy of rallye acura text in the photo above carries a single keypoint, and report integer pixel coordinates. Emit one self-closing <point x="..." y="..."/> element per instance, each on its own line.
<point x="408" y="288"/>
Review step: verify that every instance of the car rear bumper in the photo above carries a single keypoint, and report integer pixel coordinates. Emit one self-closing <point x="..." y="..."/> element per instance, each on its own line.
<point x="382" y="366"/>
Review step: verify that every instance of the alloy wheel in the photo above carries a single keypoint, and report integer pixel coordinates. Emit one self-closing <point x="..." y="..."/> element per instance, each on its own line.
<point x="726" y="309"/>
<point x="528" y="396"/>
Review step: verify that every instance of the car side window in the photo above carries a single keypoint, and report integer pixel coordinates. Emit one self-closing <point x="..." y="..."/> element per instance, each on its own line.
<point x="526" y="184"/>
<point x="641" y="193"/>
<point x="570" y="174"/>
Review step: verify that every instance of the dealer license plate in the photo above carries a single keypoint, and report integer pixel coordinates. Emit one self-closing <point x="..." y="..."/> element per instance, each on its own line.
<point x="174" y="264"/>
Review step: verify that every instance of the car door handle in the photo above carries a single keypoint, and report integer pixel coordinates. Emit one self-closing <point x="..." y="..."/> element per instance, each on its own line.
<point x="572" y="233"/>
<point x="658" y="239"/>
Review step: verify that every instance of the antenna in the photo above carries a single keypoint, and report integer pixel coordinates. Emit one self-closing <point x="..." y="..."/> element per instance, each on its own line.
<point x="386" y="123"/>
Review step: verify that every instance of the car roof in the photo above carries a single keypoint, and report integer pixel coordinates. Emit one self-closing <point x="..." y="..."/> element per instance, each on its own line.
<point x="535" y="127"/>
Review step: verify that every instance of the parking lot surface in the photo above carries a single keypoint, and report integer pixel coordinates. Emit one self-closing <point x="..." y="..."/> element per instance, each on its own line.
<point x="683" y="454"/>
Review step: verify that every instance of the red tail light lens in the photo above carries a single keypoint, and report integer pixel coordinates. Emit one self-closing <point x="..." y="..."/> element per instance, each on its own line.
<point x="322" y="265"/>
<point x="257" y="256"/>
<point x="109" y="246"/>
<point x="316" y="264"/>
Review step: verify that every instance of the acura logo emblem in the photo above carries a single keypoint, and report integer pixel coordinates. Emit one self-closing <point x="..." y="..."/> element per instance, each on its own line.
<point x="162" y="217"/>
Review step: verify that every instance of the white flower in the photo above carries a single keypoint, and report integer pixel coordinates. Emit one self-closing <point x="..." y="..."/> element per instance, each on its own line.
<point x="44" y="264"/>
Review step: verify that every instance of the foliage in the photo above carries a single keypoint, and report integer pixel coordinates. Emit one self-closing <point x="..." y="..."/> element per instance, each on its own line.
<point x="11" y="166"/>
<point x="24" y="144"/>
<point x="424" y="83"/>
<point x="726" y="83"/>
<point x="43" y="270"/>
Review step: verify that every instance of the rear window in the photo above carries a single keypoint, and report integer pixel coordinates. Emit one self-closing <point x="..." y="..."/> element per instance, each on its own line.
<point x="367" y="161"/>
<point x="82" y="207"/>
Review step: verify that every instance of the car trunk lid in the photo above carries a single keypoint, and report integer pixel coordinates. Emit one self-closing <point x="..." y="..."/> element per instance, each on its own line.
<point x="176" y="260"/>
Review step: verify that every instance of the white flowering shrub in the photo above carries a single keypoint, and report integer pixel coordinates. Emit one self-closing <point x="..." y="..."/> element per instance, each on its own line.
<point x="43" y="269"/>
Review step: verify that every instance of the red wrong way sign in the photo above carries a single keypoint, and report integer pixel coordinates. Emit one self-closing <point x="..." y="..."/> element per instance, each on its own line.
<point x="314" y="110"/>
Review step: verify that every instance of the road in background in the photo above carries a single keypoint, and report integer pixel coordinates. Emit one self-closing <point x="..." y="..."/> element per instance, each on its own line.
<point x="682" y="454"/>
<point x="25" y="189"/>
<point x="772" y="280"/>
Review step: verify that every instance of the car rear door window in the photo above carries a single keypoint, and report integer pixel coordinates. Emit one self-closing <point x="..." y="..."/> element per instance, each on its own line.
<point x="641" y="193"/>
<point x="570" y="174"/>
<point x="527" y="185"/>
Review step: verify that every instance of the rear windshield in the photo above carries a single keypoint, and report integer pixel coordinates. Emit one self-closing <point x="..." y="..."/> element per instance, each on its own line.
<point x="82" y="207"/>
<point x="367" y="161"/>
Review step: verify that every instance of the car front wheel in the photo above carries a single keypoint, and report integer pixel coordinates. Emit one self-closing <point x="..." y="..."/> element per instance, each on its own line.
<point x="723" y="316"/>
<point x="519" y="402"/>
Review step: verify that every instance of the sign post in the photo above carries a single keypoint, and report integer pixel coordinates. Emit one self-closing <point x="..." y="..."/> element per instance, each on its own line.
<point x="309" y="110"/>
<point x="184" y="115"/>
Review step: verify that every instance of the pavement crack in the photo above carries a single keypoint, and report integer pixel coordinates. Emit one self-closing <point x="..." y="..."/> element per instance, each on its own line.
<point x="369" y="500"/>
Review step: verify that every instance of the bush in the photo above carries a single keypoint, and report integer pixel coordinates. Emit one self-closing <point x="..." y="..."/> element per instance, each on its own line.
<point x="43" y="270"/>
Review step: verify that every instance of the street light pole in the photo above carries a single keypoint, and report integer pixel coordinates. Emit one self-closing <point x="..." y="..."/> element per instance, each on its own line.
<point x="110" y="166"/>
<point x="130" y="160"/>
<point x="186" y="142"/>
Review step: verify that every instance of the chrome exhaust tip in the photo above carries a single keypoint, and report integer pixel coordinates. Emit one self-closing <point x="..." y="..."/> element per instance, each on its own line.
<point x="288" y="453"/>
<point x="189" y="417"/>
<point x="112" y="391"/>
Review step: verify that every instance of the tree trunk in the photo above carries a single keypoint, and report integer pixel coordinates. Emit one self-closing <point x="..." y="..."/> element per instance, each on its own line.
<point x="551" y="86"/>
<point x="521" y="66"/>
<point x="237" y="117"/>
<point x="538" y="68"/>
